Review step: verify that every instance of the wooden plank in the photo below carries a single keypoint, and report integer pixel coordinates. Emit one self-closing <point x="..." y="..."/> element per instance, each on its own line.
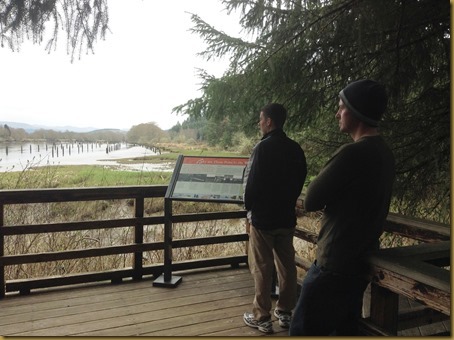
<point x="21" y="196"/>
<point x="414" y="320"/>
<point x="420" y="317"/>
<point x="200" y="241"/>
<point x="410" y="332"/>
<point x="414" y="270"/>
<point x="79" y="253"/>
<point x="438" y="299"/>
<point x="25" y="286"/>
<point x="84" y="225"/>
<point x="209" y="216"/>
<point x="189" y="320"/>
<point x="133" y="308"/>
<point x="410" y="271"/>
<point x="306" y="235"/>
<point x="303" y="263"/>
<point x="422" y="251"/>
<point x="423" y="230"/>
<point x="368" y="328"/>
<point x="404" y="271"/>
<point x="437" y="328"/>
<point x="384" y="308"/>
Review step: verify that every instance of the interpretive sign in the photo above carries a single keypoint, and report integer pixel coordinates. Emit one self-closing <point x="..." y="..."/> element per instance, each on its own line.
<point x="208" y="179"/>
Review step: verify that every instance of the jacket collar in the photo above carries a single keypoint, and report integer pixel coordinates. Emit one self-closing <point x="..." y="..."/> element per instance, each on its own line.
<point x="275" y="132"/>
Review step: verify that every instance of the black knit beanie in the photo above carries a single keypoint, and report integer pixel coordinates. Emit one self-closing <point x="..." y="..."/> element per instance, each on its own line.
<point x="366" y="99"/>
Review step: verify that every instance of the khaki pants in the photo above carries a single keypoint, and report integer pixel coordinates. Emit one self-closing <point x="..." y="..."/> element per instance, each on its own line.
<point x="266" y="249"/>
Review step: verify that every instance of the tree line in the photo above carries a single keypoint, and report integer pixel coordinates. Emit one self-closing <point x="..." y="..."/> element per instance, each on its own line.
<point x="10" y="134"/>
<point x="147" y="134"/>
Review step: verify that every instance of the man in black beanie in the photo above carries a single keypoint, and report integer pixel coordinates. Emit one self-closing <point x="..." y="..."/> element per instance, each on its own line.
<point x="354" y="191"/>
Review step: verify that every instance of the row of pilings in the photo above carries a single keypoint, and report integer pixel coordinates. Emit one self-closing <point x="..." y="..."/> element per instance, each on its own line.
<point x="59" y="149"/>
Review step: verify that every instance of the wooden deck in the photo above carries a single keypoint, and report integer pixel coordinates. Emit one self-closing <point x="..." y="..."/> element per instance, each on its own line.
<point x="206" y="303"/>
<point x="209" y="303"/>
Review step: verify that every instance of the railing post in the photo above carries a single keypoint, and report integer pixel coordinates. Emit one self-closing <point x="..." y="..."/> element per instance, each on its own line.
<point x="138" y="239"/>
<point x="384" y="308"/>
<point x="166" y="280"/>
<point x="168" y="238"/>
<point x="2" y="251"/>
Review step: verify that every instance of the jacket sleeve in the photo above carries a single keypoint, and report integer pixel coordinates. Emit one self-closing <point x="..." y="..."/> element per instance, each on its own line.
<point x="302" y="173"/>
<point x="253" y="179"/>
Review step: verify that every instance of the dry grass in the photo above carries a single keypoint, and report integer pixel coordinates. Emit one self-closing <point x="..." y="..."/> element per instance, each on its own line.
<point x="47" y="213"/>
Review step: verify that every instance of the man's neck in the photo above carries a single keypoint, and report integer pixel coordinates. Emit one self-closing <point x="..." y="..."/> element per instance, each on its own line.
<point x="364" y="130"/>
<point x="268" y="131"/>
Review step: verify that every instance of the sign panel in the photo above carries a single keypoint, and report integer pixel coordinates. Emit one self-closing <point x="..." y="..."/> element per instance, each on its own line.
<point x="208" y="179"/>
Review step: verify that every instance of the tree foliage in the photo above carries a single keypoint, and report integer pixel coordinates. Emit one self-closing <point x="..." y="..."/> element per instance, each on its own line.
<point x="144" y="134"/>
<point x="302" y="53"/>
<point x="82" y="21"/>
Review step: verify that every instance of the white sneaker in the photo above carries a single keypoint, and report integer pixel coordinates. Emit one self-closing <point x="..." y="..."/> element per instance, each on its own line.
<point x="262" y="326"/>
<point x="284" y="318"/>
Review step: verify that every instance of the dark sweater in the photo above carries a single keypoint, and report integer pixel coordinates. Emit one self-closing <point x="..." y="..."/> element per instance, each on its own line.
<point x="274" y="178"/>
<point x="354" y="189"/>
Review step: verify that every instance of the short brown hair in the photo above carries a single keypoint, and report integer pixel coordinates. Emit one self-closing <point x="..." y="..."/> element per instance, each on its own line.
<point x="277" y="113"/>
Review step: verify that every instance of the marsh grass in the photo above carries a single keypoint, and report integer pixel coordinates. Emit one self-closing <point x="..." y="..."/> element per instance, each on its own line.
<point x="206" y="229"/>
<point x="171" y="151"/>
<point x="76" y="176"/>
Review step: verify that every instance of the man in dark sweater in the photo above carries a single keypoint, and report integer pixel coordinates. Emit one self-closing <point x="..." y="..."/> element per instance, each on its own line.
<point x="273" y="180"/>
<point x="354" y="191"/>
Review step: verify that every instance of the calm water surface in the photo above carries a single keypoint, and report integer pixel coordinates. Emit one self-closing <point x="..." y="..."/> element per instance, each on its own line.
<point x="21" y="156"/>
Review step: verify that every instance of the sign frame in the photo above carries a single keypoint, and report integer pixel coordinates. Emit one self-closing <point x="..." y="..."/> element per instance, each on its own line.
<point x="208" y="179"/>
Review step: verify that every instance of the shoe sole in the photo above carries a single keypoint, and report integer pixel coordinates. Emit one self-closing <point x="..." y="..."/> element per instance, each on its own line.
<point x="266" y="331"/>
<point x="284" y="325"/>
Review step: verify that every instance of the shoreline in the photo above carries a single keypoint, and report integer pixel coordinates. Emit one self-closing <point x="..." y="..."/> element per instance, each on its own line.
<point x="13" y="163"/>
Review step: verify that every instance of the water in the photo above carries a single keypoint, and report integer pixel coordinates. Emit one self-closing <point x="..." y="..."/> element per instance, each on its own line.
<point x="22" y="156"/>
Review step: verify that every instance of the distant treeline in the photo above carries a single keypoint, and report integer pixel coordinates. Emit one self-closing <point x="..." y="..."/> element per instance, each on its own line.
<point x="143" y="134"/>
<point x="18" y="135"/>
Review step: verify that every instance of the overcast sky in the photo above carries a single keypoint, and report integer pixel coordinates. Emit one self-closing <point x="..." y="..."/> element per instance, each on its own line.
<point x="144" y="68"/>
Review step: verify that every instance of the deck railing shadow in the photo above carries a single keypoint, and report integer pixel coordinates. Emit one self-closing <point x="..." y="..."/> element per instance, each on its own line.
<point x="418" y="272"/>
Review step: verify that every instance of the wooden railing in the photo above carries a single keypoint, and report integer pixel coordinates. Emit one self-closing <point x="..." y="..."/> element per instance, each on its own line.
<point x="136" y="248"/>
<point x="388" y="280"/>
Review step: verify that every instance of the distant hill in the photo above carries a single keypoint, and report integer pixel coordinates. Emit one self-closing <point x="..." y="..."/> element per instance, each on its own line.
<point x="30" y="128"/>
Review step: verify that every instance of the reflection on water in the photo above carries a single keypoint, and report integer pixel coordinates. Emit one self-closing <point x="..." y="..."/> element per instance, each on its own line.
<point x="21" y="156"/>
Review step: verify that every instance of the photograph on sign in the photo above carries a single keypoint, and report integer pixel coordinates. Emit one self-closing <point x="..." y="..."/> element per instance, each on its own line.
<point x="209" y="178"/>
